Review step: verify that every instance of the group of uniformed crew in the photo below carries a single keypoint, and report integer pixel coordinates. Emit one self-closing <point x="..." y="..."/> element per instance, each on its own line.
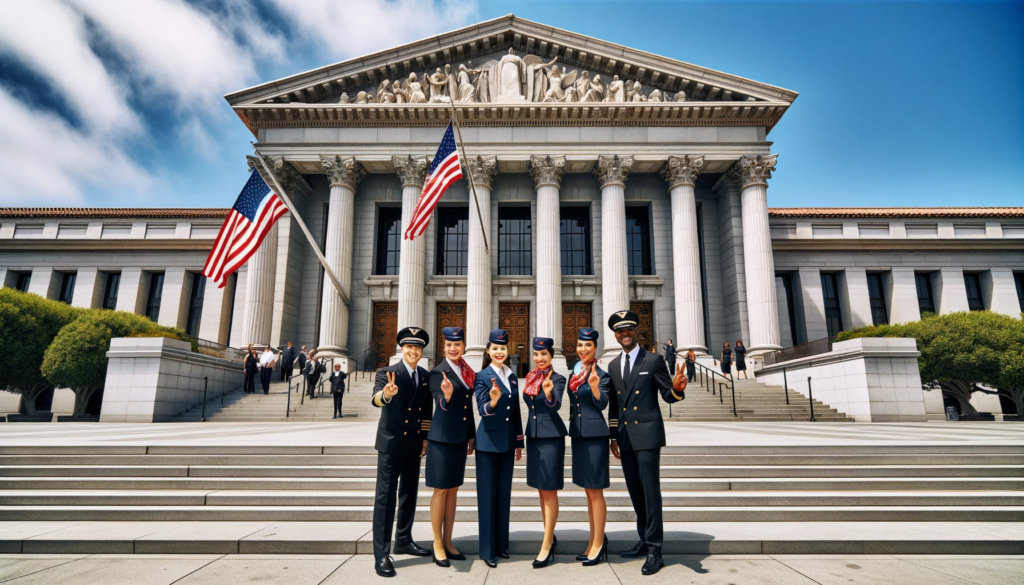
<point x="433" y="414"/>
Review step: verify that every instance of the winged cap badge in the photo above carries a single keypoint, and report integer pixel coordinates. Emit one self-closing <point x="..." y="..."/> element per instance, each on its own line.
<point x="414" y="331"/>
<point x="622" y="314"/>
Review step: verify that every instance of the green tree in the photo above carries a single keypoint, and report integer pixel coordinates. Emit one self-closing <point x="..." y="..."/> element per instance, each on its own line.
<point x="28" y="324"/>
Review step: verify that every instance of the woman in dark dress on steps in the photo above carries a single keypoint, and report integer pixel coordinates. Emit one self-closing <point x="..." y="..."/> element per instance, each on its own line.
<point x="726" y="360"/>
<point x="691" y="366"/>
<point x="741" y="354"/>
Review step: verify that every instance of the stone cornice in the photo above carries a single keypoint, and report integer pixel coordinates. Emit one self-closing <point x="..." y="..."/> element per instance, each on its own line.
<point x="547" y="170"/>
<point x="411" y="171"/>
<point x="682" y="170"/>
<point x="345" y="172"/>
<point x="285" y="174"/>
<point x="754" y="170"/>
<point x="613" y="170"/>
<point x="483" y="170"/>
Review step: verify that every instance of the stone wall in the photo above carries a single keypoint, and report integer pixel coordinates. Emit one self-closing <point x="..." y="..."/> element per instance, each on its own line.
<point x="151" y="379"/>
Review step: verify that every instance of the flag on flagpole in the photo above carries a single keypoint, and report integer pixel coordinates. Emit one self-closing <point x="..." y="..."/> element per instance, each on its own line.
<point x="444" y="170"/>
<point x="252" y="216"/>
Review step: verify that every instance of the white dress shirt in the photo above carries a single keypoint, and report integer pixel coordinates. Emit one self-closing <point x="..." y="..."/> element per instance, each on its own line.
<point x="266" y="359"/>
<point x="503" y="373"/>
<point x="412" y="373"/>
<point x="631" y="356"/>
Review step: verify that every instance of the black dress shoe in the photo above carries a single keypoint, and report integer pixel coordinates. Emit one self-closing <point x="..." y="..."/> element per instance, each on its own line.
<point x="653" y="565"/>
<point x="638" y="551"/>
<point x="503" y="554"/>
<point x="551" y="555"/>
<point x="384" y="567"/>
<point x="584" y="556"/>
<point x="412" y="549"/>
<point x="454" y="556"/>
<point x="490" y="564"/>
<point x="440" y="562"/>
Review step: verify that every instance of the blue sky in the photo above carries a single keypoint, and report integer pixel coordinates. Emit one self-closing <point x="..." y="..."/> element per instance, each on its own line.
<point x="119" y="102"/>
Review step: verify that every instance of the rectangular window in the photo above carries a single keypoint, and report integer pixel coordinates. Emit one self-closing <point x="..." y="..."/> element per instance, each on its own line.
<point x="925" y="298"/>
<point x="876" y="294"/>
<point x="787" y="283"/>
<point x="1013" y="231"/>
<point x="575" y="240"/>
<point x="514" y="247"/>
<point x="638" y="240"/>
<point x="110" y="294"/>
<point x="874" y="230"/>
<point x="1019" y="280"/>
<point x="922" y="230"/>
<point x="160" y="230"/>
<point x="72" y="230"/>
<point x="452" y="240"/>
<point x="780" y="231"/>
<point x="116" y="230"/>
<point x="833" y="314"/>
<point x="156" y="293"/>
<point x="195" y="304"/>
<point x="969" y="230"/>
<point x="833" y="230"/>
<point x="203" y="231"/>
<point x="24" y="280"/>
<point x="389" y="239"/>
<point x="67" y="288"/>
<point x="975" y="301"/>
<point x="28" y="230"/>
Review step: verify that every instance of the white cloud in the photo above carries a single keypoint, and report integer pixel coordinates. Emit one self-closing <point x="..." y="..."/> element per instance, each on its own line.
<point x="44" y="161"/>
<point x="356" y="27"/>
<point x="50" y="39"/>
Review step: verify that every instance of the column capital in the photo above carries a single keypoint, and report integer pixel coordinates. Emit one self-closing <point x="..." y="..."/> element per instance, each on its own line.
<point x="483" y="169"/>
<point x="412" y="171"/>
<point x="547" y="170"/>
<point x="753" y="170"/>
<point x="344" y="172"/>
<point x="682" y="170"/>
<point x="613" y="170"/>
<point x="285" y="174"/>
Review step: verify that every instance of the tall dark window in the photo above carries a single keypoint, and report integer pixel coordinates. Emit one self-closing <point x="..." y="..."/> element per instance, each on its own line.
<point x="452" y="240"/>
<point x="514" y="241"/>
<point x="67" y="288"/>
<point x="1019" y="279"/>
<point x="156" y="293"/>
<point x="575" y="240"/>
<point x="195" y="304"/>
<point x="833" y="314"/>
<point x="389" y="239"/>
<point x="925" y="298"/>
<point x="787" y="284"/>
<point x="110" y="294"/>
<point x="877" y="296"/>
<point x="975" y="302"/>
<point x="24" y="280"/>
<point x="638" y="240"/>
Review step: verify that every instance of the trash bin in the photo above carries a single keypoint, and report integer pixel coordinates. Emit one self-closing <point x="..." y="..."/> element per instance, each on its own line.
<point x="952" y="413"/>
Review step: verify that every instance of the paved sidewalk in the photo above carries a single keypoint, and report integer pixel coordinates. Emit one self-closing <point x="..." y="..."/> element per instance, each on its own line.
<point x="348" y="569"/>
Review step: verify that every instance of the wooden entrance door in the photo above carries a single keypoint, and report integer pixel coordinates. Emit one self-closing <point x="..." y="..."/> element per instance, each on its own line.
<point x="385" y="330"/>
<point x="644" y="329"/>
<point x="575" y="316"/>
<point x="515" y="318"/>
<point x="448" y="315"/>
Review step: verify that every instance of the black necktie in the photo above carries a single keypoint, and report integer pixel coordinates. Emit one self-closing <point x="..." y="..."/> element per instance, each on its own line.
<point x="625" y="374"/>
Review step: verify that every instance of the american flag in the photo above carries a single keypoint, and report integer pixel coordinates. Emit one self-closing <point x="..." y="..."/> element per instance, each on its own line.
<point x="252" y="216"/>
<point x="444" y="171"/>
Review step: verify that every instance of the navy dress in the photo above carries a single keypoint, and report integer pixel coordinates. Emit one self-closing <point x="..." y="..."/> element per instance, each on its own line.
<point x="589" y="432"/>
<point x="726" y="361"/>
<point x="498" y="435"/>
<point x="741" y="361"/>
<point x="545" y="438"/>
<point x="451" y="430"/>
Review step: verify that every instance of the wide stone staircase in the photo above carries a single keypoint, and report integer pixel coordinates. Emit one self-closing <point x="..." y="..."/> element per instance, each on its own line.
<point x="755" y="402"/>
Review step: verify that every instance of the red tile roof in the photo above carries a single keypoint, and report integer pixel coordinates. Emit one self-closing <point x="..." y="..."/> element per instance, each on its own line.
<point x="812" y="212"/>
<point x="115" y="212"/>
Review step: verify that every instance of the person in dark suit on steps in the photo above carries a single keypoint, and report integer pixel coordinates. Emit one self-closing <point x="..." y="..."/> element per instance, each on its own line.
<point x="287" y="362"/>
<point x="638" y="434"/>
<point x="402" y="393"/>
<point x="251" y="368"/>
<point x="337" y="381"/>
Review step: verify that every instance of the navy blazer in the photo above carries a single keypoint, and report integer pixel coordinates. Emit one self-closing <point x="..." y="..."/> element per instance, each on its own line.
<point x="405" y="419"/>
<point x="542" y="420"/>
<point x="501" y="430"/>
<point x="586" y="420"/>
<point x="453" y="420"/>
<point x="635" y="415"/>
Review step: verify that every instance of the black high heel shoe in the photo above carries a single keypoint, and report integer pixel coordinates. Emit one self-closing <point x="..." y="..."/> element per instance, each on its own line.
<point x="441" y="562"/>
<point x="601" y="553"/>
<point x="584" y="556"/>
<point x="551" y="555"/>
<point x="454" y="556"/>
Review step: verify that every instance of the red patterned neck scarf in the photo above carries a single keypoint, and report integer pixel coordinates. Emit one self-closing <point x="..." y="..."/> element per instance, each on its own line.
<point x="467" y="373"/>
<point x="580" y="379"/>
<point x="534" y="379"/>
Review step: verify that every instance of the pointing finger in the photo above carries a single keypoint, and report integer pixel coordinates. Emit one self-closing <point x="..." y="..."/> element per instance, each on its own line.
<point x="551" y="373"/>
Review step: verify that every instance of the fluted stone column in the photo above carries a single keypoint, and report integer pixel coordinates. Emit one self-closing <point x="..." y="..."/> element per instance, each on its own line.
<point x="753" y="173"/>
<point x="478" y="273"/>
<point x="547" y="173"/>
<point x="681" y="172"/>
<point x="611" y="173"/>
<point x="259" y="292"/>
<point x="412" y="259"/>
<point x="344" y="174"/>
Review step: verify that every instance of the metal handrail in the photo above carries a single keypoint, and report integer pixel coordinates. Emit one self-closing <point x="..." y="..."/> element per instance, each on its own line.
<point x="702" y="369"/>
<point x="811" y="348"/>
<point x="366" y="361"/>
<point x="212" y="348"/>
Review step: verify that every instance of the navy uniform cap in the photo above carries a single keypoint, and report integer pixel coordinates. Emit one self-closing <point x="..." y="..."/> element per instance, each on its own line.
<point x="540" y="343"/>
<point x="498" y="337"/>
<point x="413" y="336"/>
<point x="588" y="334"/>
<point x="453" y="334"/>
<point x="623" y="320"/>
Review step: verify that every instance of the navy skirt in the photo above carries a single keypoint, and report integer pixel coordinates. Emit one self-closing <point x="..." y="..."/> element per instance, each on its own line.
<point x="446" y="464"/>
<point x="545" y="463"/>
<point x="726" y="367"/>
<point x="590" y="463"/>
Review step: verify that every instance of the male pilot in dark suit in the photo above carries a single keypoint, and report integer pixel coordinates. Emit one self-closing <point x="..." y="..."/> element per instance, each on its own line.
<point x="638" y="432"/>
<point x="287" y="362"/>
<point x="402" y="393"/>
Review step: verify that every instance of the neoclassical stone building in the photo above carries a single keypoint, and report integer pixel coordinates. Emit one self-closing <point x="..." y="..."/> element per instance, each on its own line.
<point x="606" y="178"/>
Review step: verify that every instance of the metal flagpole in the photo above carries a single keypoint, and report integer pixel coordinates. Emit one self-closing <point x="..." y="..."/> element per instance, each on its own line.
<point x="469" y="173"/>
<point x="288" y="203"/>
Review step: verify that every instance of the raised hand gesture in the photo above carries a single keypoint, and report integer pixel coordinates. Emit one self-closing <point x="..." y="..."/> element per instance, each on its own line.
<point x="548" y="386"/>
<point x="495" y="393"/>
<point x="593" y="380"/>
<point x="390" y="389"/>
<point x="446" y="387"/>
<point x="679" y="381"/>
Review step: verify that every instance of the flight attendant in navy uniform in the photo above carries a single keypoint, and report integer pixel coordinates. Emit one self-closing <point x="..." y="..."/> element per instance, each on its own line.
<point x="450" y="440"/>
<point x="545" y="440"/>
<point x="637" y="379"/>
<point x="588" y="397"/>
<point x="499" y="444"/>
<point x="403" y="395"/>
